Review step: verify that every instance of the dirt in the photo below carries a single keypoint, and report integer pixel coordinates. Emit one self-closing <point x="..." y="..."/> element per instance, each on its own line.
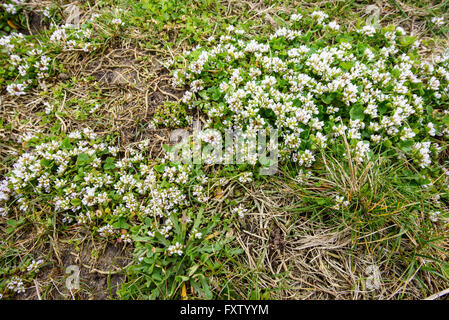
<point x="101" y="271"/>
<point x="94" y="271"/>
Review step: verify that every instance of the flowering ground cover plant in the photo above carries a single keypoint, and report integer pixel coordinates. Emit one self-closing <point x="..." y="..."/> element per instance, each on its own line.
<point x="313" y="81"/>
<point x="360" y="113"/>
<point x="9" y="11"/>
<point x="25" y="62"/>
<point x="133" y="199"/>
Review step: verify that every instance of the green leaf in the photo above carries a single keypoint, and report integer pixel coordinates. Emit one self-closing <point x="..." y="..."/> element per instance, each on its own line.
<point x="14" y="223"/>
<point x="66" y="144"/>
<point x="193" y="269"/>
<point x="328" y="98"/>
<point x="46" y="163"/>
<point x="82" y="158"/>
<point x="446" y="120"/>
<point x="109" y="164"/>
<point x="198" y="218"/>
<point x="346" y="65"/>
<point x="356" y="112"/>
<point x="206" y="287"/>
<point x="182" y="278"/>
<point x="121" y="224"/>
<point x="75" y="202"/>
<point x="387" y="143"/>
<point x="406" y="145"/>
<point x="407" y="40"/>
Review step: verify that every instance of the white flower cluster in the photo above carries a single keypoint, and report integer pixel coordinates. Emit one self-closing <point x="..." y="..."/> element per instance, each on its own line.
<point x="246" y="177"/>
<point x="175" y="249"/>
<point x="373" y="96"/>
<point x="195" y="234"/>
<point x="434" y="216"/>
<point x="34" y="265"/>
<point x="107" y="230"/>
<point x="4" y="197"/>
<point x="25" y="59"/>
<point x="303" y="177"/>
<point x="13" y="7"/>
<point x="438" y="21"/>
<point x="82" y="178"/>
<point x="126" y="238"/>
<point x="340" y="203"/>
<point x="71" y="38"/>
<point x="16" y="284"/>
<point x="239" y="211"/>
<point x="117" y="22"/>
<point x="319" y="16"/>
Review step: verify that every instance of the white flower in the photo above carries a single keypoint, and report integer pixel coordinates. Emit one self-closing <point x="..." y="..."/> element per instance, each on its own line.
<point x="126" y="238"/>
<point x="16" y="285"/>
<point x="103" y="197"/>
<point x="16" y="89"/>
<point x="438" y="21"/>
<point x="117" y="21"/>
<point x="34" y="265"/>
<point x="422" y="150"/>
<point x="333" y="25"/>
<point x="175" y="249"/>
<point x="407" y="133"/>
<point x="3" y="212"/>
<point x="196" y="234"/>
<point x="434" y="216"/>
<point x="431" y="127"/>
<point x="187" y="97"/>
<point x="240" y="211"/>
<point x="296" y="17"/>
<point x="390" y="36"/>
<point x="10" y="8"/>
<point x="106" y="231"/>
<point x="46" y="12"/>
<point x="361" y="151"/>
<point x="230" y="28"/>
<point x="48" y="108"/>
<point x="341" y="203"/>
<point x="246" y="177"/>
<point x="368" y="31"/>
<point x="319" y="16"/>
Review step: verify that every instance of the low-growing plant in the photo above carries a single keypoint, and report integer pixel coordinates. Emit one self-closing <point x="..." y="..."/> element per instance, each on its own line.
<point x="133" y="200"/>
<point x="171" y="114"/>
<point x="17" y="268"/>
<point x="314" y="81"/>
<point x="10" y="15"/>
<point x="28" y="60"/>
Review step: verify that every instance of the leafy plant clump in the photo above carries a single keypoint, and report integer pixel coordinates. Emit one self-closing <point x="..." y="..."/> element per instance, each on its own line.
<point x="10" y="14"/>
<point x="315" y="82"/>
<point x="155" y="205"/>
<point x="17" y="273"/>
<point x="28" y="60"/>
<point x="171" y="114"/>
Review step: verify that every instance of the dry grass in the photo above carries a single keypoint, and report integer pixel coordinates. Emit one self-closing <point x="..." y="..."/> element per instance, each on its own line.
<point x="293" y="256"/>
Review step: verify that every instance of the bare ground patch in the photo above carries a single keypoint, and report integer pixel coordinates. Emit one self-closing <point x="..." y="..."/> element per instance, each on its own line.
<point x="101" y="270"/>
